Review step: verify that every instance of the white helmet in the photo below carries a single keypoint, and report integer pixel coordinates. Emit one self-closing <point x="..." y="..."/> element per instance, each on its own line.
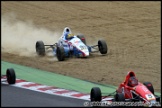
<point x="66" y="31"/>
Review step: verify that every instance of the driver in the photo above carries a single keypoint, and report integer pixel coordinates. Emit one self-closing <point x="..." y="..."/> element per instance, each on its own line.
<point x="69" y="36"/>
<point x="67" y="33"/>
<point x="62" y="40"/>
<point x="132" y="81"/>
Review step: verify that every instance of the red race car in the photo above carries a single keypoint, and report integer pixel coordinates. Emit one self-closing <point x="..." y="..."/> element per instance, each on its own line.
<point x="10" y="76"/>
<point x="129" y="92"/>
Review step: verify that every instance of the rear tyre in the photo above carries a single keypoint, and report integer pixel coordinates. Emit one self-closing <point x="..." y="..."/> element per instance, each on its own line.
<point x="40" y="49"/>
<point x="157" y="98"/>
<point x="11" y="77"/>
<point x="82" y="38"/>
<point x="119" y="97"/>
<point x="149" y="86"/>
<point x="102" y="46"/>
<point x="95" y="94"/>
<point x="60" y="53"/>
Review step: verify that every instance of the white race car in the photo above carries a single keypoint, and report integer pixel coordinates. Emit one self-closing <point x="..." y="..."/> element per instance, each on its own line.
<point x="71" y="45"/>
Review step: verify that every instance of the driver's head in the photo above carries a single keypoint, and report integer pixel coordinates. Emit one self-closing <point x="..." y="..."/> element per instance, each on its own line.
<point x="70" y="35"/>
<point x="132" y="81"/>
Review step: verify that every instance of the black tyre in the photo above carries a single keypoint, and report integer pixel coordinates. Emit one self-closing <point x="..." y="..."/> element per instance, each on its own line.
<point x="119" y="97"/>
<point x="95" y="94"/>
<point x="11" y="76"/>
<point x="82" y="38"/>
<point x="60" y="53"/>
<point x="149" y="86"/>
<point x="40" y="49"/>
<point x="102" y="46"/>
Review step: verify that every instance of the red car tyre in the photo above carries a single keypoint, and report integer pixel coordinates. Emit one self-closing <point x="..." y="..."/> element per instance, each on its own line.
<point x="11" y="77"/>
<point x="119" y="97"/>
<point x="95" y="94"/>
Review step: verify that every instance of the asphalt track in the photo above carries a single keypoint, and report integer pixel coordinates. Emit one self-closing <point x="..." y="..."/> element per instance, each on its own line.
<point x="18" y="97"/>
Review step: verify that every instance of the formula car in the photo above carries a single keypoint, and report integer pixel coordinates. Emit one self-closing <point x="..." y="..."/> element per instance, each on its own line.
<point x="73" y="46"/>
<point x="139" y="92"/>
<point x="10" y="76"/>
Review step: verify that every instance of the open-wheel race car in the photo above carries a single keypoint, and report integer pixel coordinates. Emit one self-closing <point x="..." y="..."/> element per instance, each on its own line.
<point x="129" y="93"/>
<point x="70" y="45"/>
<point x="10" y="76"/>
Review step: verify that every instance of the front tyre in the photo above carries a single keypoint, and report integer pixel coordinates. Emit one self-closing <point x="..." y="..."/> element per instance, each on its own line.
<point x="11" y="76"/>
<point x="95" y="94"/>
<point x="119" y="97"/>
<point x="102" y="46"/>
<point x="40" y="49"/>
<point x="60" y="53"/>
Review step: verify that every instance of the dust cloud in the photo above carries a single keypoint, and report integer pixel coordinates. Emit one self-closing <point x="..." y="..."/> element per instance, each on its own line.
<point x="19" y="37"/>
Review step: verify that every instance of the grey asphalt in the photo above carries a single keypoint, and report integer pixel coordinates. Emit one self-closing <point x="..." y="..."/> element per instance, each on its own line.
<point x="18" y="97"/>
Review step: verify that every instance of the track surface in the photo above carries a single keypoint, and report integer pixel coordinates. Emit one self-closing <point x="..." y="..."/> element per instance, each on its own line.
<point x="131" y="29"/>
<point x="18" y="97"/>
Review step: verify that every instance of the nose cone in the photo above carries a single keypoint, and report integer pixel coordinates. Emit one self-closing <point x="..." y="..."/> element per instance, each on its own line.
<point x="87" y="54"/>
<point x="83" y="54"/>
